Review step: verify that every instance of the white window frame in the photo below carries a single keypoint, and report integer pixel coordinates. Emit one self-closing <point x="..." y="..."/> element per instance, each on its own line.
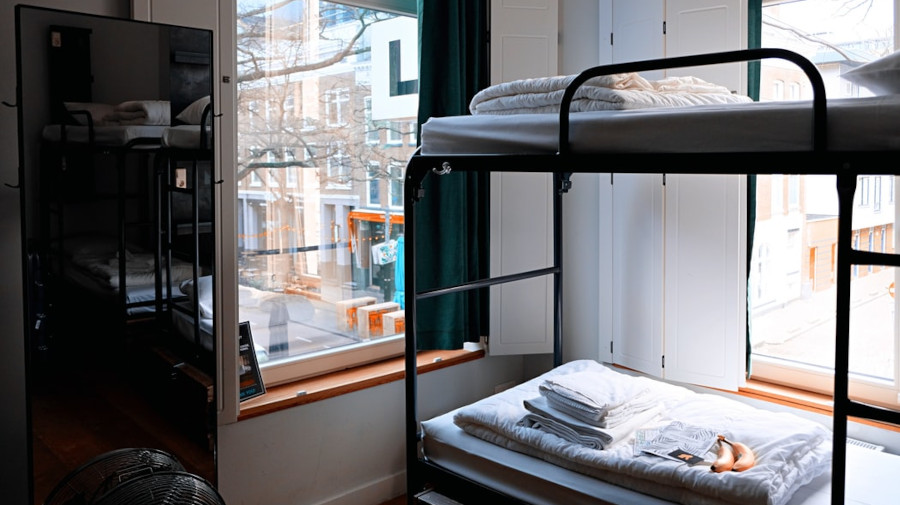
<point x="314" y="363"/>
<point x="336" y="101"/>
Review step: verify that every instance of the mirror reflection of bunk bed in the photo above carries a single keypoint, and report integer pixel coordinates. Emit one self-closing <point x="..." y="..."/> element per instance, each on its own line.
<point x="496" y="451"/>
<point x="116" y="135"/>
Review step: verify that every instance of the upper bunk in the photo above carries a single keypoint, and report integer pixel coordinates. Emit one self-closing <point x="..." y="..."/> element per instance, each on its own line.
<point x="772" y="137"/>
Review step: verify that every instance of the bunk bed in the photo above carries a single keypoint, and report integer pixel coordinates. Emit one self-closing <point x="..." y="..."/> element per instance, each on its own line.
<point x="97" y="203"/>
<point x="839" y="137"/>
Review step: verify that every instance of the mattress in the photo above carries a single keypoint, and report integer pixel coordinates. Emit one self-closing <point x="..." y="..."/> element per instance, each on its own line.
<point x="871" y="475"/>
<point x="135" y="294"/>
<point x="182" y="137"/>
<point x="109" y="136"/>
<point x="486" y="441"/>
<point x="184" y="326"/>
<point x="869" y="123"/>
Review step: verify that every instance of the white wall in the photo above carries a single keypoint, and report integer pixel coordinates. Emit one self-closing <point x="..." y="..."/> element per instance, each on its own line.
<point x="14" y="466"/>
<point x="347" y="450"/>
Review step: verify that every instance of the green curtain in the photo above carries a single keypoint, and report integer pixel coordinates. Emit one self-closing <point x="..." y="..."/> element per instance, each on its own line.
<point x="452" y="224"/>
<point x="754" y="36"/>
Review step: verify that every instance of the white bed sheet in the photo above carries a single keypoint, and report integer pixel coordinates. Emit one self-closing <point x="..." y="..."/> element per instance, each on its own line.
<point x="543" y="469"/>
<point x="869" y="123"/>
<point x="115" y="136"/>
<point x="134" y="293"/>
<point x="871" y="475"/>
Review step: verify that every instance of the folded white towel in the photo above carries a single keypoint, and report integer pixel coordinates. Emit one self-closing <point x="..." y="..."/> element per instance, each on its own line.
<point x="608" y="418"/>
<point x="592" y="395"/>
<point x="543" y="417"/>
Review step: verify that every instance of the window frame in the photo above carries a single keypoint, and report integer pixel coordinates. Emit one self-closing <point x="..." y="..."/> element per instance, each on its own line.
<point x="877" y="391"/>
<point x="359" y="354"/>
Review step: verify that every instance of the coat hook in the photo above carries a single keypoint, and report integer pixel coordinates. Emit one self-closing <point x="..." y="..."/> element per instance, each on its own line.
<point x="217" y="115"/>
<point x="220" y="181"/>
<point x="9" y="104"/>
<point x="13" y="186"/>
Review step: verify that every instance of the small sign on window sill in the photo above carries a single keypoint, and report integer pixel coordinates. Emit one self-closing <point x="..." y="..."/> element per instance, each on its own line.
<point x="250" y="379"/>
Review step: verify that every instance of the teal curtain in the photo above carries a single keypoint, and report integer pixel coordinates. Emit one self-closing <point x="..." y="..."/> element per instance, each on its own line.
<point x="754" y="40"/>
<point x="452" y="221"/>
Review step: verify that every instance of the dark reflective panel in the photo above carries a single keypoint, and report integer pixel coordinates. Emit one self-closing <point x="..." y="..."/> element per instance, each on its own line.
<point x="115" y="131"/>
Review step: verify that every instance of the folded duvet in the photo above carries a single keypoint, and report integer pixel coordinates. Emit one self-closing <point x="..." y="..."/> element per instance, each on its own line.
<point x="610" y="92"/>
<point x="140" y="112"/>
<point x="790" y="450"/>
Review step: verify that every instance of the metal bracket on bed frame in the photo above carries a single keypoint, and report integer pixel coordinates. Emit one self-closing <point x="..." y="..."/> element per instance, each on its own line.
<point x="565" y="182"/>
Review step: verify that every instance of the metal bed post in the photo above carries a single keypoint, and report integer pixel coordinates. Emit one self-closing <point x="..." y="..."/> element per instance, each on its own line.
<point x="411" y="194"/>
<point x="846" y="187"/>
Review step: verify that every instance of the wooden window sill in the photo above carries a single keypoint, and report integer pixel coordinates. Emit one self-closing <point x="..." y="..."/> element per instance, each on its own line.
<point x="804" y="400"/>
<point x="285" y="396"/>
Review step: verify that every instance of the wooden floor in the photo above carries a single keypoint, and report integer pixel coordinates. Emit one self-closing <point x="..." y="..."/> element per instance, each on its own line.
<point x="82" y="407"/>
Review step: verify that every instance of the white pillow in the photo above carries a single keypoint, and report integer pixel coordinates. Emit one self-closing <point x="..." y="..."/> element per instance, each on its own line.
<point x="204" y="294"/>
<point x="881" y="76"/>
<point x="193" y="113"/>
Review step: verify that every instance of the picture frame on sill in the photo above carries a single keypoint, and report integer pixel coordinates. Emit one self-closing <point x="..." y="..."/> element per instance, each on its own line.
<point x="250" y="378"/>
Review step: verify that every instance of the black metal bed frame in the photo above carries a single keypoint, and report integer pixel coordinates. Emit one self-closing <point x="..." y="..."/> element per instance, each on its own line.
<point x="168" y="161"/>
<point x="846" y="165"/>
<point x="141" y="147"/>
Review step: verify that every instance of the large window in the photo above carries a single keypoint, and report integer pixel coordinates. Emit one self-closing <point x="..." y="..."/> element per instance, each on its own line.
<point x="316" y="237"/>
<point x="792" y="279"/>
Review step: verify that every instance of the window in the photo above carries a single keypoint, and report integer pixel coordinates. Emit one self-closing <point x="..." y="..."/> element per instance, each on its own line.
<point x="335" y="104"/>
<point x="876" y="194"/>
<point x="862" y="190"/>
<point x="395" y="133"/>
<point x="374" y="183"/>
<point x="778" y="90"/>
<point x="315" y="267"/>
<point x="396" y="185"/>
<point x="793" y="324"/>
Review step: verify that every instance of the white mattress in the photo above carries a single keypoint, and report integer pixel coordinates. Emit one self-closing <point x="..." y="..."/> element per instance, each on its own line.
<point x="870" y="123"/>
<point x="182" y="137"/>
<point x="871" y="475"/>
<point x="115" y="136"/>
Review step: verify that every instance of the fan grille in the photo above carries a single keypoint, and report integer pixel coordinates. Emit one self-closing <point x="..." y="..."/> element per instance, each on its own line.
<point x="163" y="488"/>
<point x="107" y="471"/>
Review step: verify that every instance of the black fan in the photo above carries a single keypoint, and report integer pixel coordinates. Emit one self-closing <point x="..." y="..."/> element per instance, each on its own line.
<point x="160" y="488"/>
<point x="107" y="471"/>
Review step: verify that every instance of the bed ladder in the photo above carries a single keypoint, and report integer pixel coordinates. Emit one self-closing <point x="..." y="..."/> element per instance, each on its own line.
<point x="847" y="257"/>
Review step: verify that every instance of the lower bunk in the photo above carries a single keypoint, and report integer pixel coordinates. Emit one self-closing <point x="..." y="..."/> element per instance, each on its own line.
<point x="526" y="452"/>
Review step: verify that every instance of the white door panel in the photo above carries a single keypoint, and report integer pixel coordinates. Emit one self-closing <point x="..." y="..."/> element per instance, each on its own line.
<point x="638" y="32"/>
<point x="705" y="286"/>
<point x="706" y="26"/>
<point x="638" y="271"/>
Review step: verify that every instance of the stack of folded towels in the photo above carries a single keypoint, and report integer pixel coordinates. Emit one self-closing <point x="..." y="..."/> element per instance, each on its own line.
<point x="591" y="409"/>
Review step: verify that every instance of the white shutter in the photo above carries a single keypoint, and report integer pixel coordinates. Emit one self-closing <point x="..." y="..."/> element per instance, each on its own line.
<point x="524" y="43"/>
<point x="705" y="286"/>
<point x="705" y="26"/>
<point x="637" y="245"/>
<point x="638" y="32"/>
<point x="604" y="30"/>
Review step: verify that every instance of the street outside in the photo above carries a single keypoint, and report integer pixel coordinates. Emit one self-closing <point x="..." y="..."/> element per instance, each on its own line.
<point x="804" y="329"/>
